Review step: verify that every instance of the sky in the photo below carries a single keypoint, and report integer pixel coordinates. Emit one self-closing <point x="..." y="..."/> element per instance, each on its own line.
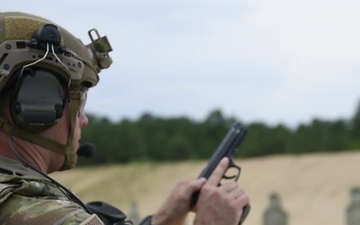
<point x="275" y="61"/>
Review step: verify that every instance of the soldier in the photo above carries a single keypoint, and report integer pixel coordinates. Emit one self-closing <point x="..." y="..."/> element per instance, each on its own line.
<point x="45" y="73"/>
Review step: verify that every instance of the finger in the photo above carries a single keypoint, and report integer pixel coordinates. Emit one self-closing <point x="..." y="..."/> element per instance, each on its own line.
<point x="195" y="185"/>
<point x="194" y="190"/>
<point x="243" y="200"/>
<point x="219" y="172"/>
<point x="237" y="193"/>
<point x="184" y="189"/>
<point x="229" y="186"/>
<point x="233" y="190"/>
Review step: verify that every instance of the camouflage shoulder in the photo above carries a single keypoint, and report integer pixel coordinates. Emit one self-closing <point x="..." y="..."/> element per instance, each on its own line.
<point x="6" y="188"/>
<point x="37" y="201"/>
<point x="20" y="209"/>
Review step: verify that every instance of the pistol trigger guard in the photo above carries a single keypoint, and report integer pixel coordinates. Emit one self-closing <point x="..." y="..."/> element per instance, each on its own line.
<point x="230" y="177"/>
<point x="239" y="170"/>
<point x="236" y="177"/>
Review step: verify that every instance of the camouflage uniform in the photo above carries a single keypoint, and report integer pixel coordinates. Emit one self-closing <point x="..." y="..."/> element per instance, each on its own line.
<point x="55" y="57"/>
<point x="30" y="199"/>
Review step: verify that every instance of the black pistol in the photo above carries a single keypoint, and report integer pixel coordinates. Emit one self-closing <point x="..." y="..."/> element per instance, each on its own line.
<point x="227" y="148"/>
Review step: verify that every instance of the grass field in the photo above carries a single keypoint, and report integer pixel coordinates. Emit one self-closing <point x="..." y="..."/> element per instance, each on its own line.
<point x="314" y="189"/>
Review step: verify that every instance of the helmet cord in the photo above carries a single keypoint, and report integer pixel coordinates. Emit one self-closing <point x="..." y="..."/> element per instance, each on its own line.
<point x="37" y="61"/>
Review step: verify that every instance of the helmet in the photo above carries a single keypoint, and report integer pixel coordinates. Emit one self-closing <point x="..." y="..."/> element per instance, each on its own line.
<point x="45" y="66"/>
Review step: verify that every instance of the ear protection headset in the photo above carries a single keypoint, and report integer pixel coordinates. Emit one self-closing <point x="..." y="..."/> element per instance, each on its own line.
<point x="37" y="101"/>
<point x="42" y="68"/>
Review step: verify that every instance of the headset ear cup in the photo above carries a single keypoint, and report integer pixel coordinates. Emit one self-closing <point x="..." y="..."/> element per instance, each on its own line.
<point x="15" y="107"/>
<point x="37" y="101"/>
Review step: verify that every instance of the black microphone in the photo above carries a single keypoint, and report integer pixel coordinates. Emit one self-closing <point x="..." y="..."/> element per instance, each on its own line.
<point x="86" y="150"/>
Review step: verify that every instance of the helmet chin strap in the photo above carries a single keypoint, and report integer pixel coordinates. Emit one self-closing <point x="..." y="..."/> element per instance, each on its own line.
<point x="67" y="150"/>
<point x="70" y="153"/>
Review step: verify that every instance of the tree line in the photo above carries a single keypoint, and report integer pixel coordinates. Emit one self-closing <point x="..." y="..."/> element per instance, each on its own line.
<point x="152" y="138"/>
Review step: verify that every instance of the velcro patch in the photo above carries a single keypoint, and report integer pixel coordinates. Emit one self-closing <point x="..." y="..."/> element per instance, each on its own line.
<point x="21" y="27"/>
<point x="93" y="220"/>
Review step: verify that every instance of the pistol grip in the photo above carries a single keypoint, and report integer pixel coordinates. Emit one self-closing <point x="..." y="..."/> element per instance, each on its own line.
<point x="244" y="214"/>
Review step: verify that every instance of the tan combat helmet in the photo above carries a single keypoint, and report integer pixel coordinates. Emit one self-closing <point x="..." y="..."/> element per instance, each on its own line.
<point x="37" y="59"/>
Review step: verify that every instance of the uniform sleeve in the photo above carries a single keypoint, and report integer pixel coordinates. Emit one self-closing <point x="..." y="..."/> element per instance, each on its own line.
<point x="34" y="200"/>
<point x="19" y="209"/>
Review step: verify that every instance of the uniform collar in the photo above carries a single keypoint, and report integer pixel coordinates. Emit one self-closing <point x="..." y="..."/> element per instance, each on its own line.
<point x="12" y="166"/>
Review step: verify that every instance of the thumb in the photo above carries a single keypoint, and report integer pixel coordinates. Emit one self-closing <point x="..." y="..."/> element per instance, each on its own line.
<point x="195" y="191"/>
<point x="195" y="185"/>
